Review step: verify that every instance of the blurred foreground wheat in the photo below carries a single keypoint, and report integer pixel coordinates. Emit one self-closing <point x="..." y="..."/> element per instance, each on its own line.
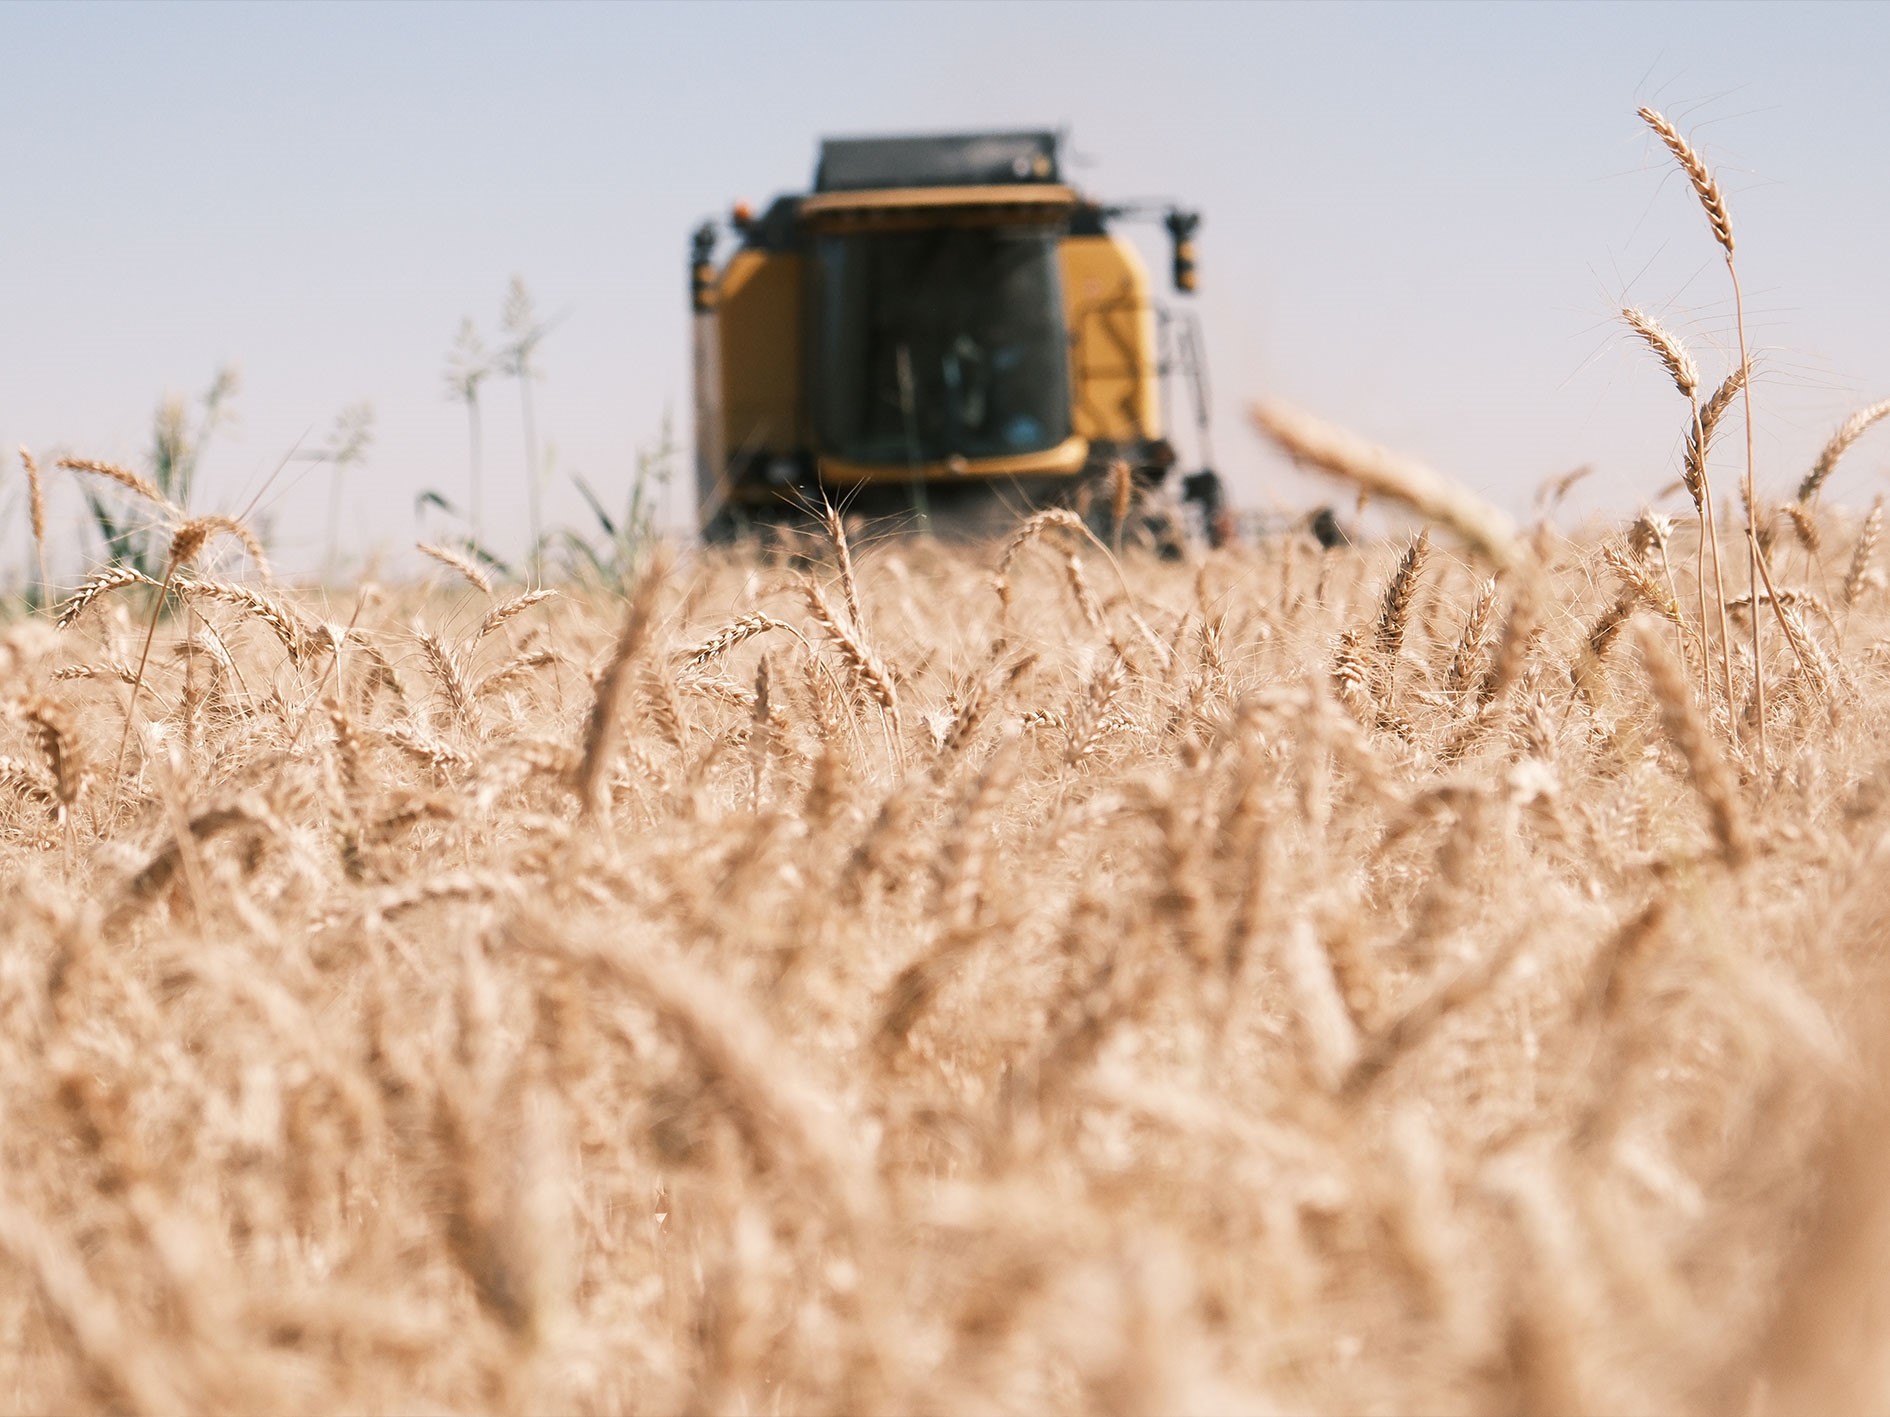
<point x="960" y="980"/>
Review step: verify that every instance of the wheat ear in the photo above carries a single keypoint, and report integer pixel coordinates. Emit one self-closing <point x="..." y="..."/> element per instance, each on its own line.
<point x="123" y="476"/>
<point x="738" y="631"/>
<point x="452" y="677"/>
<point x="201" y="529"/>
<point x="1705" y="185"/>
<point x="1707" y="770"/>
<point x="1848" y="432"/>
<point x="507" y="609"/>
<point x="600" y="731"/>
<point x="467" y="568"/>
<point x="99" y="583"/>
<point x="1862" y="553"/>
<point x="1474" y="641"/>
<point x="1394" y="611"/>
<point x="36" y="501"/>
<point x="867" y="669"/>
<point x="1667" y="348"/>
<point x="843" y="556"/>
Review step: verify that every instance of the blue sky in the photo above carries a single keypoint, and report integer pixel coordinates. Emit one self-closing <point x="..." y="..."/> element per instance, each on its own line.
<point x="1419" y="218"/>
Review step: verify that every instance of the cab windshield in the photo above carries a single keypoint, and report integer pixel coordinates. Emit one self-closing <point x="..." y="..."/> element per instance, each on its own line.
<point x="939" y="343"/>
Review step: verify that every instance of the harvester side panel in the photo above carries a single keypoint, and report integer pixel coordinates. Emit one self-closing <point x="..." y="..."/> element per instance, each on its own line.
<point x="1115" y="384"/>
<point x="711" y="453"/>
<point x="759" y="309"/>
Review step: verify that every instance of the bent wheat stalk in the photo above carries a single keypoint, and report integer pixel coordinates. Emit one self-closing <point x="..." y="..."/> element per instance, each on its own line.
<point x="1316" y="443"/>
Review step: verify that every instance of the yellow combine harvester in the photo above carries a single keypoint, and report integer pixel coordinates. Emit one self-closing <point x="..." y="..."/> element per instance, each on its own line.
<point x="943" y="329"/>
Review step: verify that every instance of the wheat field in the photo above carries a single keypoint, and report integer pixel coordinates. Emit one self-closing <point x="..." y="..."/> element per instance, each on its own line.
<point x="1293" y="981"/>
<point x="869" y="975"/>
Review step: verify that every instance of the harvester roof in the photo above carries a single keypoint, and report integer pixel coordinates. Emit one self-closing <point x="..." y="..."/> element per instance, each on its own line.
<point x="951" y="160"/>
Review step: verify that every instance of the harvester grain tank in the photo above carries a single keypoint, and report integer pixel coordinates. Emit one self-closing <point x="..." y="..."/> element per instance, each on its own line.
<point x="944" y="329"/>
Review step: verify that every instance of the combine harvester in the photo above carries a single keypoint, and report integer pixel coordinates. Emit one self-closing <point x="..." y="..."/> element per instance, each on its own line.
<point x="944" y="332"/>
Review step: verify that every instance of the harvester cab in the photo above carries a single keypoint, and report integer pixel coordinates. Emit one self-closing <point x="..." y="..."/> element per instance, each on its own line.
<point x="943" y="328"/>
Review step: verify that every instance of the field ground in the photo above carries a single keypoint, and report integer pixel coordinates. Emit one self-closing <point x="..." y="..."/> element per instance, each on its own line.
<point x="1288" y="981"/>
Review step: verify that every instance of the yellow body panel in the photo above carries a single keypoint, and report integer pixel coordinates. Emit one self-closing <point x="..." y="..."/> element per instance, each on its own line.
<point x="1067" y="457"/>
<point x="1115" y="395"/>
<point x="758" y="308"/>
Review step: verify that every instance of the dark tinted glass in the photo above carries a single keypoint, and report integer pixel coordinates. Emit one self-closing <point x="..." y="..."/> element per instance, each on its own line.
<point x="941" y="342"/>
